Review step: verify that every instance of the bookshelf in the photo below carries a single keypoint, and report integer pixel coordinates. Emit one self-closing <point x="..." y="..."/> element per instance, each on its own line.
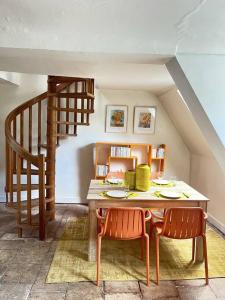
<point x="119" y="157"/>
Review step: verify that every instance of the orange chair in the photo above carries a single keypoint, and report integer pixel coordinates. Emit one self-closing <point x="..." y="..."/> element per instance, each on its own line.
<point x="117" y="174"/>
<point x="124" y="224"/>
<point x="182" y="223"/>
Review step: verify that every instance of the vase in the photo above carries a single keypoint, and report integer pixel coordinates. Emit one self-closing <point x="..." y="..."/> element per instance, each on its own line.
<point x="143" y="174"/>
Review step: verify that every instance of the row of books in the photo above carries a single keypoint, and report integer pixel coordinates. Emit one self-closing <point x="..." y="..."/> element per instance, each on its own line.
<point x="102" y="170"/>
<point x="120" y="151"/>
<point x="158" y="152"/>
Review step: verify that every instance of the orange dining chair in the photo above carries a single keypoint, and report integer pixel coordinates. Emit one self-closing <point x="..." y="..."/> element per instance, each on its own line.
<point x="181" y="223"/>
<point x="124" y="224"/>
<point x="116" y="174"/>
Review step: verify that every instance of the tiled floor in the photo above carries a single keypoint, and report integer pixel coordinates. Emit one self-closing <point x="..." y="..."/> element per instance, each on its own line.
<point x="24" y="265"/>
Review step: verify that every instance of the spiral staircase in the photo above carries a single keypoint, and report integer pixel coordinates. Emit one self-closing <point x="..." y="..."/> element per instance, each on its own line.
<point x="33" y="131"/>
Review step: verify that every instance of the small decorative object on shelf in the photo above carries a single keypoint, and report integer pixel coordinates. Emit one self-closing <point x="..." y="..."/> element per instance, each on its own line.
<point x="160" y="152"/>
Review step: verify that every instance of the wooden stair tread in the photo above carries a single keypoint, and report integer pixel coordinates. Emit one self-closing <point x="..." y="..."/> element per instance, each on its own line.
<point x="35" y="220"/>
<point x="83" y="95"/>
<point x="65" y="134"/>
<point x="46" y="146"/>
<point x="24" y="187"/>
<point x="72" y="123"/>
<point x="74" y="110"/>
<point x="24" y="172"/>
<point x="23" y="205"/>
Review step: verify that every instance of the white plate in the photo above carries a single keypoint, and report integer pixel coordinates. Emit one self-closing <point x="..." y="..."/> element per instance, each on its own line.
<point x="114" y="180"/>
<point x="116" y="194"/>
<point x="171" y="195"/>
<point x="161" y="181"/>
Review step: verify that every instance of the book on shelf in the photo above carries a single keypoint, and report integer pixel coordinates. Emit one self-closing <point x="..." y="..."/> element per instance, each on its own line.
<point x="160" y="152"/>
<point x="120" y="151"/>
<point x="102" y="170"/>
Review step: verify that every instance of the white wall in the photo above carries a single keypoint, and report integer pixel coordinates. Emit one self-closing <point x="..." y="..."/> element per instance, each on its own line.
<point x="206" y="174"/>
<point x="208" y="177"/>
<point x="74" y="157"/>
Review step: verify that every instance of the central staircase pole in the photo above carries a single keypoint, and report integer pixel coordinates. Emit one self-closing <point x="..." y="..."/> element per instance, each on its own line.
<point x="51" y="148"/>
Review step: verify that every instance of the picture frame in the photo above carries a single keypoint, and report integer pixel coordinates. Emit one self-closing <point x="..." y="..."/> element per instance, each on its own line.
<point x="144" y="119"/>
<point x="116" y="118"/>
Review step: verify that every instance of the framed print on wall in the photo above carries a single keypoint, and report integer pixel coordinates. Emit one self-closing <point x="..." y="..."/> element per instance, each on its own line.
<point x="116" y="118"/>
<point x="144" y="119"/>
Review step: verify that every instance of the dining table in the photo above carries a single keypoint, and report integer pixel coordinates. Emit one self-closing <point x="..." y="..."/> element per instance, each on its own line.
<point x="151" y="199"/>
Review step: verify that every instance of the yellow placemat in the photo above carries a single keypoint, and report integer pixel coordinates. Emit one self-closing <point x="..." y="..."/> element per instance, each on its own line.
<point x="103" y="182"/>
<point x="170" y="184"/>
<point x="158" y="195"/>
<point x="130" y="195"/>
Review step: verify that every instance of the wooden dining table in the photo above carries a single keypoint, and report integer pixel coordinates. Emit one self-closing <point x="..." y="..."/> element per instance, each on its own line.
<point x="150" y="199"/>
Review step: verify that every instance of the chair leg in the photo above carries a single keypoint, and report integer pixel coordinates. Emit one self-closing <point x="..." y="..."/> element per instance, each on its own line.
<point x="147" y="258"/>
<point x="157" y="258"/>
<point x="205" y="259"/>
<point x="193" y="249"/>
<point x="150" y="229"/>
<point x="99" y="240"/>
<point x="142" y="248"/>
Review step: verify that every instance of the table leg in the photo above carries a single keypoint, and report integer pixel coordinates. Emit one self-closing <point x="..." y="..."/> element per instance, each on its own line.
<point x="199" y="241"/>
<point x="92" y="231"/>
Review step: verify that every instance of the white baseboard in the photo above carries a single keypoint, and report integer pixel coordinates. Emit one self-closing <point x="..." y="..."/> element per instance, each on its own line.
<point x="216" y="223"/>
<point x="70" y="199"/>
<point x="59" y="199"/>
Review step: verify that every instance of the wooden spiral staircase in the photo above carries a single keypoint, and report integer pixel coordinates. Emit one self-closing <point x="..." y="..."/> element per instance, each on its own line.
<point x="30" y="153"/>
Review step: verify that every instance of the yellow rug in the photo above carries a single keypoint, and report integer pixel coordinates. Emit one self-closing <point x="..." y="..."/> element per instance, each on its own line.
<point x="120" y="259"/>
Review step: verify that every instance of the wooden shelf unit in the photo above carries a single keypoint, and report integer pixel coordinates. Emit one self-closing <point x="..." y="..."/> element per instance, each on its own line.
<point x="136" y="154"/>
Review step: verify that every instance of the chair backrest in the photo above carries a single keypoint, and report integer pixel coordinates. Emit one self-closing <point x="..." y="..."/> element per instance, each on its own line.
<point x="124" y="223"/>
<point x="184" y="222"/>
<point x="118" y="175"/>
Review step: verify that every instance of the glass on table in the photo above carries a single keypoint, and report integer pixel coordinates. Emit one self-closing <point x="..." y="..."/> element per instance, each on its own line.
<point x="126" y="186"/>
<point x="160" y="175"/>
<point x="173" y="179"/>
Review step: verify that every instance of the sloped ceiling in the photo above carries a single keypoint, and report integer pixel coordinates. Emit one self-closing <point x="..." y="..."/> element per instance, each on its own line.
<point x="184" y="122"/>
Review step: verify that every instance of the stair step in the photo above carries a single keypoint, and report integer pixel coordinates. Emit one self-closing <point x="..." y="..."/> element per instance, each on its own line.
<point x="24" y="172"/>
<point x="62" y="135"/>
<point x="24" y="187"/>
<point x="46" y="146"/>
<point x="72" y="95"/>
<point x="74" y="110"/>
<point x="72" y="123"/>
<point x="23" y="205"/>
<point x="35" y="220"/>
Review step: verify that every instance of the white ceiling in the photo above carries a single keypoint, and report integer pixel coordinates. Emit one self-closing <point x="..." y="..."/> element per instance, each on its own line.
<point x="114" y="26"/>
<point x="114" y="74"/>
<point x="121" y="43"/>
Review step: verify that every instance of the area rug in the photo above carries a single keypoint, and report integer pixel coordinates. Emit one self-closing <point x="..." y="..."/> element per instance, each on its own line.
<point x="121" y="259"/>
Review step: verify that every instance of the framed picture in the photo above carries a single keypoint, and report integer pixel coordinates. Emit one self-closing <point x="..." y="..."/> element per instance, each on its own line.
<point x="144" y="119"/>
<point x="116" y="118"/>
